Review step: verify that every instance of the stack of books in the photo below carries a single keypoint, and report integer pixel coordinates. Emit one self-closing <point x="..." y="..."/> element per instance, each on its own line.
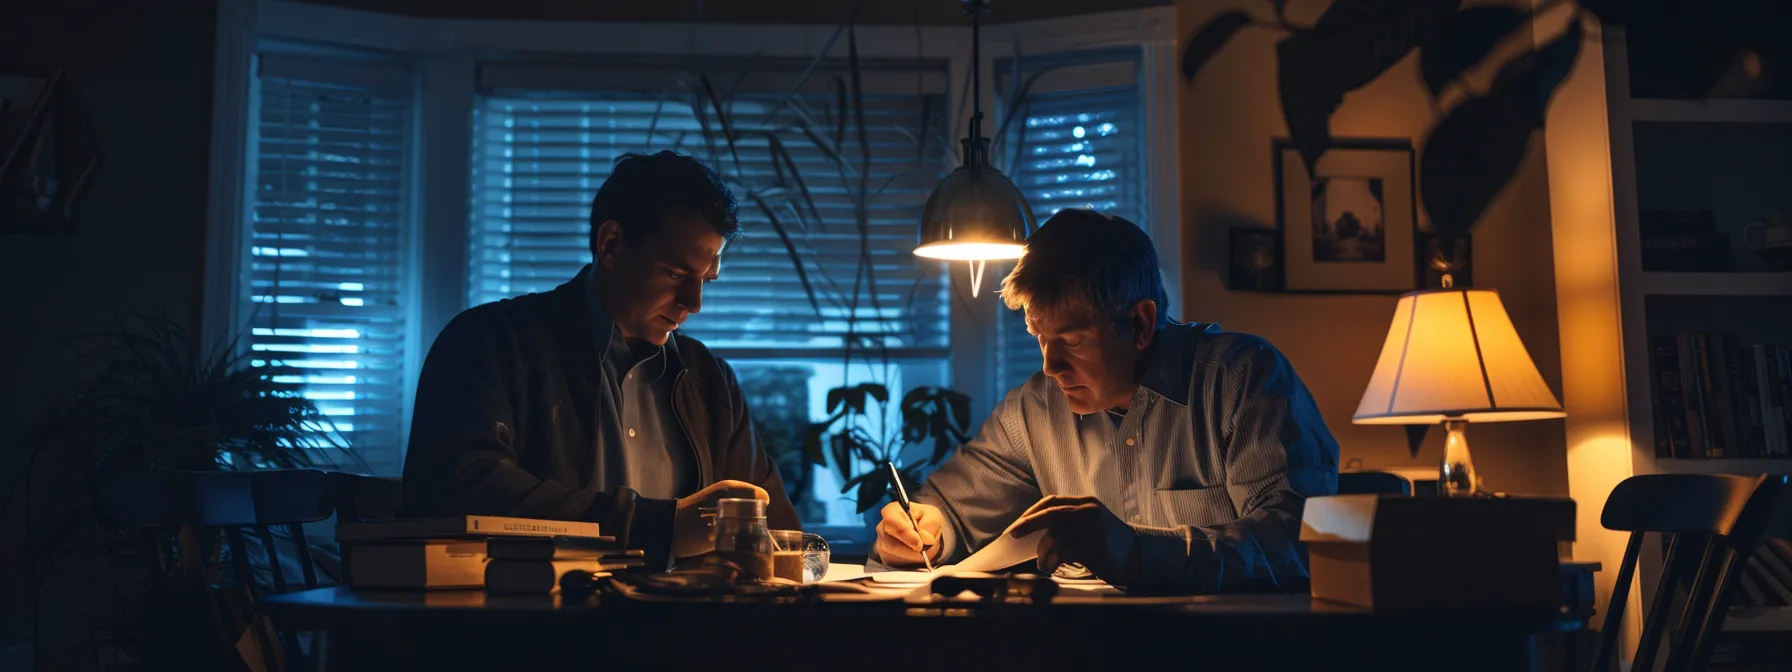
<point x="445" y="553"/>
<point x="534" y="565"/>
<point x="1717" y="397"/>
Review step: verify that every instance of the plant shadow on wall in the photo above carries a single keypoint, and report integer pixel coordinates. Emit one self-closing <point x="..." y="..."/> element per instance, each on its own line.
<point x="1476" y="146"/>
<point x="791" y="160"/>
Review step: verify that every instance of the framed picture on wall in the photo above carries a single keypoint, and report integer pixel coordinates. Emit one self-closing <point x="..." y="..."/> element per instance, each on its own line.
<point x="1349" y="226"/>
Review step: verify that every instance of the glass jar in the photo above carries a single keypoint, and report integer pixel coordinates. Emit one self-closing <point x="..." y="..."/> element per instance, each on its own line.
<point x="742" y="537"/>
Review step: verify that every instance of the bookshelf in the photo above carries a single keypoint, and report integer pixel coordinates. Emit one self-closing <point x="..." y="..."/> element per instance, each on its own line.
<point x="1719" y="164"/>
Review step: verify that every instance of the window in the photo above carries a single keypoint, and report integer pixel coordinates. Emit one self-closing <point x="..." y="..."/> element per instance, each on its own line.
<point x="541" y="153"/>
<point x="328" y="229"/>
<point x="1077" y="143"/>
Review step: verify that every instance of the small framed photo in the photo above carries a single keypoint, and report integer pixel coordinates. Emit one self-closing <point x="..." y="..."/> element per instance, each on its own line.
<point x="1255" y="260"/>
<point x="1349" y="226"/>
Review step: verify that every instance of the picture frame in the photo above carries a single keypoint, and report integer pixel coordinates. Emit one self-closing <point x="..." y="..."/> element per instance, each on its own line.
<point x="1350" y="228"/>
<point x="1255" y="259"/>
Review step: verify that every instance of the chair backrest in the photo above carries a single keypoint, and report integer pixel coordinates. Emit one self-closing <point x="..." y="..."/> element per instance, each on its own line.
<point x="1373" y="482"/>
<point x="232" y="501"/>
<point x="1712" y="524"/>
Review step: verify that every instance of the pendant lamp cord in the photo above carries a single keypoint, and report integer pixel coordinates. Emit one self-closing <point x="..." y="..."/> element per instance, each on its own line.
<point x="975" y="146"/>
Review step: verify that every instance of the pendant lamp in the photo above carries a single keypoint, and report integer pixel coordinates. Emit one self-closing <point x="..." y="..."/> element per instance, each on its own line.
<point x="976" y="214"/>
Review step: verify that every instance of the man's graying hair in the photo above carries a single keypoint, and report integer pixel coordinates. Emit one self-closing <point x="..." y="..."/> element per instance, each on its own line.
<point x="1082" y="255"/>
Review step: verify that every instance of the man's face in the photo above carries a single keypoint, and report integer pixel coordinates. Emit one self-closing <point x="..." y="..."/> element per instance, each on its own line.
<point x="652" y="286"/>
<point x="1093" y="363"/>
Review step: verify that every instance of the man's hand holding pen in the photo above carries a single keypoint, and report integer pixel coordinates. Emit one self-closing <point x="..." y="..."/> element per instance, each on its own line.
<point x="900" y="544"/>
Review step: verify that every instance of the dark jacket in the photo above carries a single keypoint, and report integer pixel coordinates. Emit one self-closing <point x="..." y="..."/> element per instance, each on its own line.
<point x="507" y="412"/>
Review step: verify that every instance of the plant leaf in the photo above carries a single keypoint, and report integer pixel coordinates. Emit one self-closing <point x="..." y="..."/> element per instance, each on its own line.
<point x="1363" y="38"/>
<point x="1478" y="147"/>
<point x="1308" y="99"/>
<point x="796" y="260"/>
<point x="1210" y="39"/>
<point x="1536" y="75"/>
<point x="960" y="403"/>
<point x="836" y="397"/>
<point x="841" y="446"/>
<point x="812" y="437"/>
<point x="878" y="392"/>
<point x="1464" y="39"/>
<point x="874" y="488"/>
<point x="722" y="116"/>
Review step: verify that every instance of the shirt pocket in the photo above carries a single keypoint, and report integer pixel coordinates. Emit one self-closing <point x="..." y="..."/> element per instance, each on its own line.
<point x="1195" y="506"/>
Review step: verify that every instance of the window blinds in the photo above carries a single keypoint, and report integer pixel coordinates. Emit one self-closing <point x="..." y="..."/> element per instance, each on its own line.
<point x="329" y="238"/>
<point x="1080" y="145"/>
<point x="540" y="157"/>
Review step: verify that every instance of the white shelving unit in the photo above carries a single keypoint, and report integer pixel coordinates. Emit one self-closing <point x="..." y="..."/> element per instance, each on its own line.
<point x="1687" y="292"/>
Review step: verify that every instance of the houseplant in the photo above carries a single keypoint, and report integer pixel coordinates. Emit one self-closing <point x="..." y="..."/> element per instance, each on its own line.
<point x="162" y="399"/>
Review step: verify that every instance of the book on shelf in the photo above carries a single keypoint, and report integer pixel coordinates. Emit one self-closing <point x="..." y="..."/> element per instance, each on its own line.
<point x="543" y="576"/>
<point x="462" y="526"/>
<point x="416" y="563"/>
<point x="1716" y="396"/>
<point x="556" y="548"/>
<point x="1683" y="240"/>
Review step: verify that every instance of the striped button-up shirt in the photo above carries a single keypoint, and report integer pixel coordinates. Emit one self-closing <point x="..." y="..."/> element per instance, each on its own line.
<point x="1207" y="473"/>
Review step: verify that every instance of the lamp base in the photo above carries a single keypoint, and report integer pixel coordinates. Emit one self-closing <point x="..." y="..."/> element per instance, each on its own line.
<point x="1457" y="477"/>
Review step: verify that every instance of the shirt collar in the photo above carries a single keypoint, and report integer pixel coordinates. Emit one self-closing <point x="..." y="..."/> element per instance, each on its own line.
<point x="600" y="328"/>
<point x="1169" y="370"/>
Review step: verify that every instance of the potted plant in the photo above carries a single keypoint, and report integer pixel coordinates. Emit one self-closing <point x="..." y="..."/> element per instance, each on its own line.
<point x="856" y="432"/>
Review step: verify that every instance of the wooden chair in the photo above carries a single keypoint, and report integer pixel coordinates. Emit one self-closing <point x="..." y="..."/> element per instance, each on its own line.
<point x="1712" y="525"/>
<point x="170" y="507"/>
<point x="1373" y="482"/>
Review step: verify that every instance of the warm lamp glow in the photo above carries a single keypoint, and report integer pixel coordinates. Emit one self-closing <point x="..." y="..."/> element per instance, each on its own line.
<point x="1453" y="354"/>
<point x="962" y="251"/>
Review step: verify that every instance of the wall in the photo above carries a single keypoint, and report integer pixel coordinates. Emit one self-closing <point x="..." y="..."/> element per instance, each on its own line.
<point x="143" y="71"/>
<point x="742" y="11"/>
<point x="1230" y="114"/>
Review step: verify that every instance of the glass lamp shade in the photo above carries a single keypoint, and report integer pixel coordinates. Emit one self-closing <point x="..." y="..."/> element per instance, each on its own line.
<point x="1453" y="355"/>
<point x="975" y="214"/>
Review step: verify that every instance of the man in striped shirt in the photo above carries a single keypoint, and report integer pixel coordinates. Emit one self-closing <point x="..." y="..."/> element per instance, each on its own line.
<point x="1161" y="456"/>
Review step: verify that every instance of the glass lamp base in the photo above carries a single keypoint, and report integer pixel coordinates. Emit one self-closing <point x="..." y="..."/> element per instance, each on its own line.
<point x="1457" y="477"/>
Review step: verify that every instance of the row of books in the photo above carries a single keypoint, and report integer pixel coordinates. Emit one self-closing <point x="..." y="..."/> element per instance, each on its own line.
<point x="1717" y="397"/>
<point x="501" y="555"/>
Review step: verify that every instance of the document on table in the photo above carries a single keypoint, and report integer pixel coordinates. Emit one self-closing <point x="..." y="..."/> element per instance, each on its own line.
<point x="1006" y="551"/>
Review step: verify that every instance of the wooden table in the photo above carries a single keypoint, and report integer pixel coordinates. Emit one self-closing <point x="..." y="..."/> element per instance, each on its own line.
<point x="468" y="630"/>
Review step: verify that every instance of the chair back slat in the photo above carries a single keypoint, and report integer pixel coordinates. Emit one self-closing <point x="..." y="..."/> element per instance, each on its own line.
<point x="1712" y="524"/>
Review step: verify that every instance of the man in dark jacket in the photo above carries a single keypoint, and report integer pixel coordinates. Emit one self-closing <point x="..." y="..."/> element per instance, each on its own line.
<point x="582" y="403"/>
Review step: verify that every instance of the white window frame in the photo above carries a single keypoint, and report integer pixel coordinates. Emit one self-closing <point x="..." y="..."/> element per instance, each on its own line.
<point x="446" y="52"/>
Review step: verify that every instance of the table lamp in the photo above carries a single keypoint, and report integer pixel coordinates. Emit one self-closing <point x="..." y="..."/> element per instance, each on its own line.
<point x="1452" y="356"/>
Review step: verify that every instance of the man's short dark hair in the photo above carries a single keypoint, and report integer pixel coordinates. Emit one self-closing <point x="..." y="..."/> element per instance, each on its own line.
<point x="1083" y="255"/>
<point x="644" y="189"/>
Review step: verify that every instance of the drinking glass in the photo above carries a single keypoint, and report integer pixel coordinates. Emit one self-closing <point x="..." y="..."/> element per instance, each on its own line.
<point x="799" y="556"/>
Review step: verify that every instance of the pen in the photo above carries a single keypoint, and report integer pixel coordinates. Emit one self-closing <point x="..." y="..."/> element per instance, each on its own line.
<point x="902" y="501"/>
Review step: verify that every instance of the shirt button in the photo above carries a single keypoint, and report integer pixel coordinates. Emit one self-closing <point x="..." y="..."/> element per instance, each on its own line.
<point x="631" y="433"/>
<point x="1130" y="441"/>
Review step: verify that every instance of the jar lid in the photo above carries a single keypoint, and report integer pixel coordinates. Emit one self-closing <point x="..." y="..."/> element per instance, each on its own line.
<point x="740" y="508"/>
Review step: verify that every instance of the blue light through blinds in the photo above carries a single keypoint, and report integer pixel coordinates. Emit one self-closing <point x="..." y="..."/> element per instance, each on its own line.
<point x="1079" y="148"/>
<point x="328" y="231"/>
<point x="541" y="156"/>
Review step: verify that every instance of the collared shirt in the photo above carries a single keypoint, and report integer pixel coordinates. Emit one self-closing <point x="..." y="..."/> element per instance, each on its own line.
<point x="647" y="450"/>
<point x="1207" y="472"/>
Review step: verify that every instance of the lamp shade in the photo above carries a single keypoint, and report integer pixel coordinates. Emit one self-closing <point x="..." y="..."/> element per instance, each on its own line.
<point x="1452" y="354"/>
<point x="975" y="214"/>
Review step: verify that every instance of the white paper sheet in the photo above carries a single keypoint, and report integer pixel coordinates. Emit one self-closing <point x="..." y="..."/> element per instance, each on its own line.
<point x="1006" y="551"/>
